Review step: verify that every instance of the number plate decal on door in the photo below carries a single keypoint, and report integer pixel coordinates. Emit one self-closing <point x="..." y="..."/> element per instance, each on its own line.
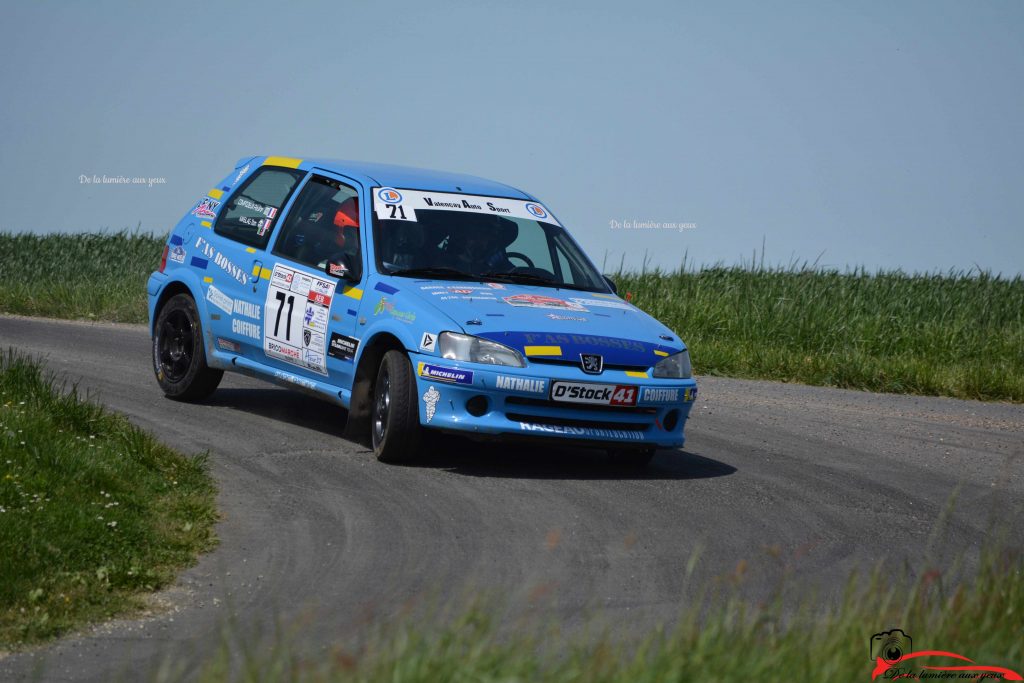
<point x="295" y="324"/>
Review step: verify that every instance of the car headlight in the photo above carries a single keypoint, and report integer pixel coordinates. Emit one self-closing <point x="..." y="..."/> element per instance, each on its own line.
<point x="455" y="346"/>
<point x="676" y="366"/>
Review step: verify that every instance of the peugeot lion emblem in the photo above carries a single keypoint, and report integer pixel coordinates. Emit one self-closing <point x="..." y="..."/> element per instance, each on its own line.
<point x="592" y="363"/>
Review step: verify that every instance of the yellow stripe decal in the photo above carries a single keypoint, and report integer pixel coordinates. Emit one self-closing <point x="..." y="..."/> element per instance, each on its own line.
<point x="208" y="279"/>
<point x="265" y="273"/>
<point x="287" y="162"/>
<point x="543" y="350"/>
<point x="215" y="193"/>
<point x="353" y="292"/>
<point x="660" y="353"/>
<point x="206" y="224"/>
<point x="250" y="250"/>
<point x="634" y="373"/>
<point x="256" y="269"/>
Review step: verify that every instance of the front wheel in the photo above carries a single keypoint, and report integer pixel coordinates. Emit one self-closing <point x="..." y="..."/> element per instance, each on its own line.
<point x="179" y="358"/>
<point x="395" y="421"/>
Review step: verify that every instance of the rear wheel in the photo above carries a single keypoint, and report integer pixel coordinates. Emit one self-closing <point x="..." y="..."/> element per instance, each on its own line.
<point x="395" y="418"/>
<point x="632" y="458"/>
<point x="179" y="357"/>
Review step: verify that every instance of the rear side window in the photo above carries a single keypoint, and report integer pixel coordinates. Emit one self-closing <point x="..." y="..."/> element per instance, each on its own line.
<point x="253" y="210"/>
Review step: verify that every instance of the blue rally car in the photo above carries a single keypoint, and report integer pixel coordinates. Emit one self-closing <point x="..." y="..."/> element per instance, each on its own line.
<point x="416" y="300"/>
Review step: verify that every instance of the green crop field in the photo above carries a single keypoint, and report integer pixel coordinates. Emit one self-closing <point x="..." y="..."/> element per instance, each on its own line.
<point x="953" y="334"/>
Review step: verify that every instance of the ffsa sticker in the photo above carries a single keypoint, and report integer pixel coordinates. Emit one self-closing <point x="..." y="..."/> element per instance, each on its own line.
<point x="295" y="324"/>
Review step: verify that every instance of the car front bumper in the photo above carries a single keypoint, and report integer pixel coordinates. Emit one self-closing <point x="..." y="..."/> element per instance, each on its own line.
<point x="490" y="401"/>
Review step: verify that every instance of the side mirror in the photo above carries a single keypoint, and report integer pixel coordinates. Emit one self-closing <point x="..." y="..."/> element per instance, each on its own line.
<point x="611" y="283"/>
<point x="341" y="267"/>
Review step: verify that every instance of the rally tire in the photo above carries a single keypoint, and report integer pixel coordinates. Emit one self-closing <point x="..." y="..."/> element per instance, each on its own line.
<point x="179" y="355"/>
<point x="394" y="416"/>
<point x="631" y="458"/>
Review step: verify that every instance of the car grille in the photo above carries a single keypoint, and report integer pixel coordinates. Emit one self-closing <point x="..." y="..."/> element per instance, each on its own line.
<point x="576" y="364"/>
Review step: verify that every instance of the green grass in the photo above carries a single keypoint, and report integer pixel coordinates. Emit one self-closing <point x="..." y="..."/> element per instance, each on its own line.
<point x="83" y="276"/>
<point x="94" y="512"/>
<point x="719" y="638"/>
<point x="948" y="335"/>
<point x="955" y="334"/>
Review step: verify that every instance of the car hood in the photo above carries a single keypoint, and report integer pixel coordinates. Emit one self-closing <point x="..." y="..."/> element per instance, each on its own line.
<point x="548" y="323"/>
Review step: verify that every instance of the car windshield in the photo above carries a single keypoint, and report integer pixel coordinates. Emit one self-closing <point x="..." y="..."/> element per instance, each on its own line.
<point x="449" y="236"/>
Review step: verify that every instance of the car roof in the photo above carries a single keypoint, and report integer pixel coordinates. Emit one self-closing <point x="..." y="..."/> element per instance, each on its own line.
<point x="388" y="175"/>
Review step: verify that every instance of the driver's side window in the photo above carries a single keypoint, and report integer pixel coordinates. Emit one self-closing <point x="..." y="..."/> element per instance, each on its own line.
<point x="322" y="226"/>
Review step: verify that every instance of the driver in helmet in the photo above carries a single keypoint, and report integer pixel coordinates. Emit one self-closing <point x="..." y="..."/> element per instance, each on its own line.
<point x="479" y="246"/>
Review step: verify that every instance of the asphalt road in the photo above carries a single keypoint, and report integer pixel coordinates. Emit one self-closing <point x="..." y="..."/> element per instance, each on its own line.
<point x="317" y="535"/>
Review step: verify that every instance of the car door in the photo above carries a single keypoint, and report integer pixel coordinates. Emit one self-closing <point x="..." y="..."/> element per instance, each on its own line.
<point x="232" y="251"/>
<point x="309" y="315"/>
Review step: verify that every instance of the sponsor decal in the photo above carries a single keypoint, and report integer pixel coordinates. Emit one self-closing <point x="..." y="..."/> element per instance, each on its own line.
<point x="389" y="195"/>
<point x="539" y="301"/>
<point x="312" y="341"/>
<point x="584" y="340"/>
<point x="602" y="303"/>
<point x="245" y="202"/>
<point x="228" y="345"/>
<point x="241" y="174"/>
<point x="385" y="306"/>
<point x="574" y="318"/>
<point x="594" y="394"/>
<point x="659" y="395"/>
<point x="496" y="285"/>
<point x="690" y="395"/>
<point x="301" y="283"/>
<point x="246" y="328"/>
<point x="536" y="209"/>
<point x="177" y="254"/>
<point x="247" y="308"/>
<point x="315" y="317"/>
<point x="294" y="379"/>
<point x="337" y="269"/>
<point x="295" y="318"/>
<point x="430" y="399"/>
<point x="591" y="432"/>
<point x="209" y="251"/>
<point x="392" y="204"/>
<point x="894" y="657"/>
<point x="220" y="300"/>
<point x="342" y="347"/>
<point x="443" y="374"/>
<point x="176" y="240"/>
<point x="206" y="208"/>
<point x="428" y="342"/>
<point x="524" y="384"/>
<point x="282" y="278"/>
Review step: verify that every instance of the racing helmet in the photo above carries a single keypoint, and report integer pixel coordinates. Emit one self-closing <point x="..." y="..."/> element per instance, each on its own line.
<point x="347" y="216"/>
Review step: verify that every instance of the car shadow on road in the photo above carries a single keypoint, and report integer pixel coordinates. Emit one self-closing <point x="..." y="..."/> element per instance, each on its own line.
<point x="469" y="458"/>
<point x="284" y="405"/>
<point x="516" y="461"/>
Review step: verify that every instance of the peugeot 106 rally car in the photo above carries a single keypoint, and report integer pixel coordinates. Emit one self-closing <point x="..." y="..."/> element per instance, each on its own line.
<point x="417" y="300"/>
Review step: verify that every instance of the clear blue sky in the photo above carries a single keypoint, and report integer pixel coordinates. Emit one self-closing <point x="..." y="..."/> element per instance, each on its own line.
<point x="885" y="134"/>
